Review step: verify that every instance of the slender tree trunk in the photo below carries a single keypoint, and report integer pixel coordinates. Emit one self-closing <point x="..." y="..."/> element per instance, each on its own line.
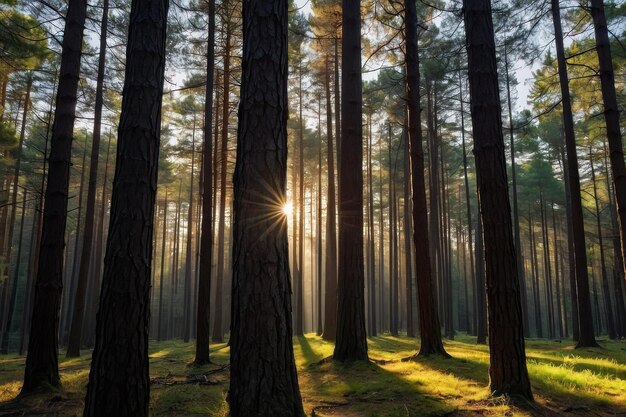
<point x="547" y="269"/>
<point x="351" y="337"/>
<point x="570" y="248"/>
<point x="586" y="333"/>
<point x="187" y="307"/>
<point x="618" y="266"/>
<point x="161" y="275"/>
<point x="263" y="372"/>
<point x="119" y="383"/>
<point x="408" y="227"/>
<point x="371" y="237"/>
<point x="299" y="327"/>
<point x="206" y="234"/>
<point x="516" y="227"/>
<point x="73" y="347"/>
<point x="557" y="275"/>
<point x="330" y="295"/>
<point x="608" y="305"/>
<point x="507" y="372"/>
<point x="218" y="333"/>
<point x="535" y="274"/>
<point x="10" y="304"/>
<point x="42" y="369"/>
<point x="611" y="117"/>
<point x="429" y="328"/>
<point x="68" y="306"/>
<point x="5" y="341"/>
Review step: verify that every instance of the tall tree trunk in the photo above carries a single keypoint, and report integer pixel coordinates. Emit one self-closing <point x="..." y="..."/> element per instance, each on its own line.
<point x="73" y="346"/>
<point x="516" y="227"/>
<point x="371" y="236"/>
<point x="8" y="287"/>
<point x="535" y="276"/>
<point x="585" y="323"/>
<point x="263" y="372"/>
<point x="429" y="328"/>
<point x="68" y="306"/>
<point x="611" y="117"/>
<point x="218" y="333"/>
<point x="351" y="337"/>
<point x="16" y="275"/>
<point x="557" y="275"/>
<point x="162" y="273"/>
<point x="547" y="269"/>
<point x="408" y="227"/>
<point x="299" y="327"/>
<point x="468" y="205"/>
<point x="330" y="294"/>
<point x="42" y="368"/>
<point x="119" y="383"/>
<point x="206" y="234"/>
<point x="570" y="248"/>
<point x="318" y="224"/>
<point x="608" y="305"/>
<point x="618" y="266"/>
<point x="508" y="374"/>
<point x="187" y="306"/>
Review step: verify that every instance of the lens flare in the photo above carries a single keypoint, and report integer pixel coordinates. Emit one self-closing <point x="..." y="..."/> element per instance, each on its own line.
<point x="287" y="208"/>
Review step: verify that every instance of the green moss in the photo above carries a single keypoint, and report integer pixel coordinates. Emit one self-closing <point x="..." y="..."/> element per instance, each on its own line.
<point x="563" y="378"/>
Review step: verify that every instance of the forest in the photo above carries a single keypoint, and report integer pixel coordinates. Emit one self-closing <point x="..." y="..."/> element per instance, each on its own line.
<point x="289" y="208"/>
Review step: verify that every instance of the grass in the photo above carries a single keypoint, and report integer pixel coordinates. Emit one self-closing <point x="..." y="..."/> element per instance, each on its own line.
<point x="581" y="382"/>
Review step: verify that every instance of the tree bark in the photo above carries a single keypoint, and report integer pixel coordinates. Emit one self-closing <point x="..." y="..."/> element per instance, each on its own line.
<point x="330" y="291"/>
<point x="263" y="378"/>
<point x="42" y="368"/>
<point x="351" y="341"/>
<point x="119" y="383"/>
<point x="507" y="372"/>
<point x="73" y="347"/>
<point x="611" y="117"/>
<point x="585" y="322"/>
<point x="206" y="234"/>
<point x="429" y="327"/>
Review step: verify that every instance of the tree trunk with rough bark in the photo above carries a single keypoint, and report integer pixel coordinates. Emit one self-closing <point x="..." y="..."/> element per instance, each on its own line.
<point x="507" y="372"/>
<point x="42" y="368"/>
<point x="119" y="383"/>
<point x="263" y="380"/>
<point x="586" y="336"/>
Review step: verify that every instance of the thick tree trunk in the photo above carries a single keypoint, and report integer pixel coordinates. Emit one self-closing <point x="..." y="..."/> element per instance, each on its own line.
<point x="263" y="378"/>
<point x="611" y="117"/>
<point x="73" y="346"/>
<point x="206" y="234"/>
<point x="351" y="337"/>
<point x="429" y="328"/>
<point x="330" y="294"/>
<point x="119" y="383"/>
<point x="507" y="372"/>
<point x="42" y="370"/>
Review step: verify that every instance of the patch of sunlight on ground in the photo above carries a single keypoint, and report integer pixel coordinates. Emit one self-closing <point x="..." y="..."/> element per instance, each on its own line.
<point x="565" y="380"/>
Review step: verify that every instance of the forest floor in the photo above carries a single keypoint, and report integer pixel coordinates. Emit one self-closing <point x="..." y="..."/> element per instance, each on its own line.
<point x="566" y="382"/>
